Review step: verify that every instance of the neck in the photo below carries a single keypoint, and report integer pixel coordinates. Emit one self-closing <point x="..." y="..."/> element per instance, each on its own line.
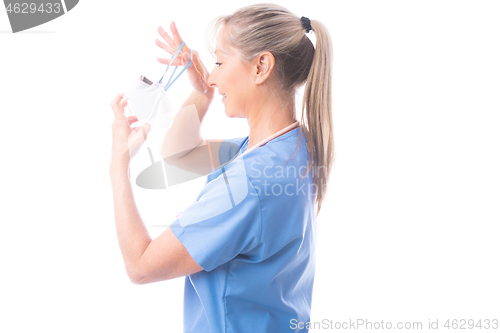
<point x="270" y="118"/>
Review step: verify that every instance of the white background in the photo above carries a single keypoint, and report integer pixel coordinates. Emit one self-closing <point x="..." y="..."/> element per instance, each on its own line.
<point x="409" y="229"/>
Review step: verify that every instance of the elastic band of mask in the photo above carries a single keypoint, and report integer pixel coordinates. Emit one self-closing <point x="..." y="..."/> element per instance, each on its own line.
<point x="170" y="82"/>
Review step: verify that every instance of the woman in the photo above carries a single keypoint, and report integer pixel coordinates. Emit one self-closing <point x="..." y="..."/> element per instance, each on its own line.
<point x="246" y="245"/>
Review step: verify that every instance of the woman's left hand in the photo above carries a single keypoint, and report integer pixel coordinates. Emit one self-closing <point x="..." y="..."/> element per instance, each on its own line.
<point x="126" y="140"/>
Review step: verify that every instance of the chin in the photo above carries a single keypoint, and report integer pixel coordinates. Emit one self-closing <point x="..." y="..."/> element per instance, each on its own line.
<point x="232" y="114"/>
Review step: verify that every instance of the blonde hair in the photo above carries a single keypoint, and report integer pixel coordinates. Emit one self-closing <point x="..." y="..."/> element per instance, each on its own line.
<point x="270" y="27"/>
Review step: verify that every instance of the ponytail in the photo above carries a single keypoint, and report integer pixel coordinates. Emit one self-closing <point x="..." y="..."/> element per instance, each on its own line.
<point x="317" y="108"/>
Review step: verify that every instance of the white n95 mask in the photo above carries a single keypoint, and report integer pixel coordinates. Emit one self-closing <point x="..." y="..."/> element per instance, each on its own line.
<point x="148" y="100"/>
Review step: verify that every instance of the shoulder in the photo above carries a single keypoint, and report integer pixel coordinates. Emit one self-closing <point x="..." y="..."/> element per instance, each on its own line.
<point x="238" y="141"/>
<point x="281" y="154"/>
<point x="230" y="148"/>
<point x="278" y="171"/>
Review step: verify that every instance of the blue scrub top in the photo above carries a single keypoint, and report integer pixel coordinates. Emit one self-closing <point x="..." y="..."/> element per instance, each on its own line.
<point x="252" y="229"/>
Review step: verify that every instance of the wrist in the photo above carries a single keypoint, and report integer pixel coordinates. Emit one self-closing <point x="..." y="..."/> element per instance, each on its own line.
<point x="209" y="93"/>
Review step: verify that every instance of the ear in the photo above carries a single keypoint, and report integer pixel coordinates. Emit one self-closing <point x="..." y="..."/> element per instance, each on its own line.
<point x="263" y="66"/>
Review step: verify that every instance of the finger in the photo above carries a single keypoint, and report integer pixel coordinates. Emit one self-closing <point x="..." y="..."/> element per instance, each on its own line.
<point x="183" y="58"/>
<point x="132" y="119"/>
<point x="193" y="68"/>
<point x="138" y="135"/>
<point x="177" y="37"/>
<point x="123" y="102"/>
<point x="167" y="61"/>
<point x="115" y="105"/>
<point x="164" y="46"/>
<point x="136" y="139"/>
<point x="168" y="39"/>
<point x="146" y="128"/>
<point x="117" y="98"/>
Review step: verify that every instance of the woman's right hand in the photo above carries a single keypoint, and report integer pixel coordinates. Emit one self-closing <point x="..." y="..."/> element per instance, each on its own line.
<point x="197" y="72"/>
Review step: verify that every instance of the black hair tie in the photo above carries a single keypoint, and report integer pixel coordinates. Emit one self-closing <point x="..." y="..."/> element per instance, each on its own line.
<point x="306" y="23"/>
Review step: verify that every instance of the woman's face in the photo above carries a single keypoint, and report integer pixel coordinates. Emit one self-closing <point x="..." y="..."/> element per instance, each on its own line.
<point x="232" y="79"/>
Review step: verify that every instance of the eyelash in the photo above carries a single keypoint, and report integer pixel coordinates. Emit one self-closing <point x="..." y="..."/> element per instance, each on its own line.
<point x="218" y="63"/>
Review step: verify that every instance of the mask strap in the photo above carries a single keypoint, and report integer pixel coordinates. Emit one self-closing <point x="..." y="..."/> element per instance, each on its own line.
<point x="186" y="67"/>
<point x="172" y="60"/>
<point x="182" y="71"/>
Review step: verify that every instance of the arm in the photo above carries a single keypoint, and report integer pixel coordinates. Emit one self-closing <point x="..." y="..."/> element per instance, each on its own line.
<point x="181" y="139"/>
<point x="183" y="147"/>
<point x="146" y="260"/>
<point x="184" y="134"/>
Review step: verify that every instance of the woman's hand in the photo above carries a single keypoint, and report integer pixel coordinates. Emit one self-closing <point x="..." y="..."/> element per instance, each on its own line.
<point x="197" y="74"/>
<point x="126" y="140"/>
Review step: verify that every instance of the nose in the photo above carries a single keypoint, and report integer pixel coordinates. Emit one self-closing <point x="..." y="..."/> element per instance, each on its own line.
<point x="211" y="80"/>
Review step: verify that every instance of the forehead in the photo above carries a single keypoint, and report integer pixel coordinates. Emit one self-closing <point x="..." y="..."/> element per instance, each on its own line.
<point x="221" y="52"/>
<point x="221" y="47"/>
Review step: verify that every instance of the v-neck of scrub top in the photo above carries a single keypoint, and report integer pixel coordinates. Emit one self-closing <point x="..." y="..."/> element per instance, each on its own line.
<point x="283" y="136"/>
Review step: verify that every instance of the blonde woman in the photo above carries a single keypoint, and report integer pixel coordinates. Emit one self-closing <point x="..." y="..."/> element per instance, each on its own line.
<point x="246" y="245"/>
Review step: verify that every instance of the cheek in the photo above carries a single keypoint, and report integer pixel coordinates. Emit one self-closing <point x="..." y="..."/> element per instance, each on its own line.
<point x="235" y="77"/>
<point x="239" y="86"/>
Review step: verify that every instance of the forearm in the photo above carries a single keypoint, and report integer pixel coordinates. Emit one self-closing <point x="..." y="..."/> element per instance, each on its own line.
<point x="185" y="134"/>
<point x="133" y="236"/>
